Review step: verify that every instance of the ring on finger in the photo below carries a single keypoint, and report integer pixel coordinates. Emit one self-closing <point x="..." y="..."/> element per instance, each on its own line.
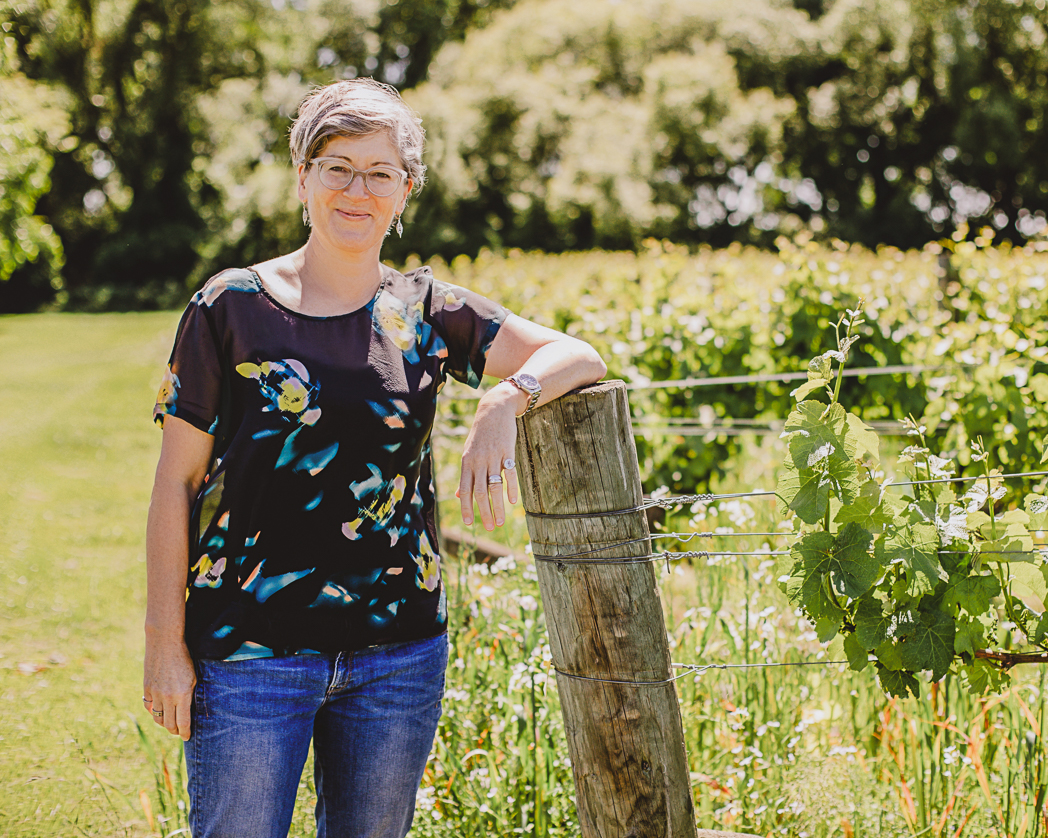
<point x="158" y="713"/>
<point x="494" y="479"/>
<point x="509" y="464"/>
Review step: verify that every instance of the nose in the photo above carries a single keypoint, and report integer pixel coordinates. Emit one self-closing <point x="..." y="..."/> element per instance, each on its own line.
<point x="360" y="190"/>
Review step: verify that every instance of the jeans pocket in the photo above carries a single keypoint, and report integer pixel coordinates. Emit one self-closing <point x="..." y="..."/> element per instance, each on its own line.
<point x="200" y="695"/>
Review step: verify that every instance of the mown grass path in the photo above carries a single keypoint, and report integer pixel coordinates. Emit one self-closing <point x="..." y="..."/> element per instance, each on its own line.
<point x="77" y="453"/>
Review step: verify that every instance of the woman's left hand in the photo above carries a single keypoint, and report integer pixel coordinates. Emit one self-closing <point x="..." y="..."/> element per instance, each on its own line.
<point x="490" y="445"/>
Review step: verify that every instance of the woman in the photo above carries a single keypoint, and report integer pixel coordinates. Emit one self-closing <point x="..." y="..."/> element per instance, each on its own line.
<point x="293" y="497"/>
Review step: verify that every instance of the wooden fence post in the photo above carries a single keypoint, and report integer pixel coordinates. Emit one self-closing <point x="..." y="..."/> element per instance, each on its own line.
<point x="576" y="455"/>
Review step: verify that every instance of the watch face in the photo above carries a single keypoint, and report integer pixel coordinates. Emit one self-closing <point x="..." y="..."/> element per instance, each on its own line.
<point x="527" y="381"/>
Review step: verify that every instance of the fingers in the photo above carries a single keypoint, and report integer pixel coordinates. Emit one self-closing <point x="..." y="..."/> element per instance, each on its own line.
<point x="488" y="452"/>
<point x="172" y="714"/>
<point x="510" y="474"/>
<point x="465" y="495"/>
<point x="481" y="496"/>
<point x="497" y="507"/>
<point x="476" y="487"/>
<point x="183" y="714"/>
<point x="168" y="684"/>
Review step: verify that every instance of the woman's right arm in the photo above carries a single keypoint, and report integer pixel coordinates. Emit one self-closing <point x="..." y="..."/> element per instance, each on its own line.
<point x="169" y="677"/>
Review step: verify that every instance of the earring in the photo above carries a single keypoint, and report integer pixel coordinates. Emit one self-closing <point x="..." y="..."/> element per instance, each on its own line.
<point x="305" y="216"/>
<point x="400" y="228"/>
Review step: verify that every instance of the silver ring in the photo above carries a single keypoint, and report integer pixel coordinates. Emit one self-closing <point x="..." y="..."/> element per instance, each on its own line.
<point x="508" y="463"/>
<point x="494" y="479"/>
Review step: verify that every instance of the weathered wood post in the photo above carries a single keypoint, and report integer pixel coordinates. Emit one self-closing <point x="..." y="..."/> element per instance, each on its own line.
<point x="576" y="457"/>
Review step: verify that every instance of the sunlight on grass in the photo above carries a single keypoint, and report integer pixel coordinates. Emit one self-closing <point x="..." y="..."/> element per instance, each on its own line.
<point x="814" y="751"/>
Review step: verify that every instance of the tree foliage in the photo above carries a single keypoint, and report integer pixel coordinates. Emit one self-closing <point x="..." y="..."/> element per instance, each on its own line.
<point x="175" y="156"/>
<point x="156" y="130"/>
<point x="31" y="120"/>
<point x="883" y="122"/>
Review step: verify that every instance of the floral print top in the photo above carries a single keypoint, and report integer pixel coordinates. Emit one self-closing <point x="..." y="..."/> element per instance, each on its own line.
<point x="314" y="530"/>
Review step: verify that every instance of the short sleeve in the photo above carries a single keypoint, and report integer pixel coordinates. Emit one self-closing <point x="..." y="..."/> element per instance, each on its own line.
<point x="191" y="388"/>
<point x="468" y="324"/>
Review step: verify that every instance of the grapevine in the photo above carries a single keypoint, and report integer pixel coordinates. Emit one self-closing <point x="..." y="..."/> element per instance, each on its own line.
<point x="916" y="578"/>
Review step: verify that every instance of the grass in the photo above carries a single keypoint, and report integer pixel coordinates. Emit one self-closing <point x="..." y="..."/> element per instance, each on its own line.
<point x="805" y="751"/>
<point x="77" y="451"/>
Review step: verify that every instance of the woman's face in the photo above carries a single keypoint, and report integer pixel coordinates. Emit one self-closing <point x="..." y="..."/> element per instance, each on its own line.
<point x="353" y="220"/>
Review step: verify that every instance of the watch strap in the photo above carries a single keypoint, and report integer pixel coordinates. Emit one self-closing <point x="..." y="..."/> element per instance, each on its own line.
<point x="533" y="393"/>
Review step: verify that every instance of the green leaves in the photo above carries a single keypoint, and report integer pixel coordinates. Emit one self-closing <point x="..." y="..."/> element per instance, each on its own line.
<point x="972" y="593"/>
<point x="915" y="582"/>
<point x="1036" y="507"/>
<point x="898" y="683"/>
<point x="928" y="644"/>
<point x="828" y="567"/>
<point x="820" y="373"/>
<point x="872" y="623"/>
<point x="819" y="465"/>
<point x="914" y="548"/>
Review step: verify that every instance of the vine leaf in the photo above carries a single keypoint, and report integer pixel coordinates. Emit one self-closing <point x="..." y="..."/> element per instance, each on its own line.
<point x="815" y="432"/>
<point x="854" y="570"/>
<point x="820" y="374"/>
<point x="1030" y="580"/>
<point x="806" y="493"/>
<point x="872" y="509"/>
<point x="806" y="586"/>
<point x="982" y="676"/>
<point x="871" y="623"/>
<point x="916" y="548"/>
<point x="861" y="440"/>
<point x="971" y="634"/>
<point x="858" y="659"/>
<point x="972" y="593"/>
<point x="954" y="526"/>
<point x="888" y="655"/>
<point x="1041" y="632"/>
<point x="809" y="387"/>
<point x="819" y="463"/>
<point x="898" y="683"/>
<point x="820" y="368"/>
<point x="928" y="644"/>
<point x="1014" y="547"/>
<point x="825" y="565"/>
<point x="1037" y="509"/>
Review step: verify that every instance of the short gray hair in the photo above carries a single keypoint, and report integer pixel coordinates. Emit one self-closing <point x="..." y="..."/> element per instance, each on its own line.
<point x="357" y="108"/>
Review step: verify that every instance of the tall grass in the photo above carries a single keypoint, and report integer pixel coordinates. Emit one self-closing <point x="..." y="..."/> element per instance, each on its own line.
<point x="805" y="751"/>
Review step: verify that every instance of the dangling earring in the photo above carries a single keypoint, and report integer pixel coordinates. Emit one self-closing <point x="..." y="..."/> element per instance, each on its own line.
<point x="400" y="228"/>
<point x="305" y="216"/>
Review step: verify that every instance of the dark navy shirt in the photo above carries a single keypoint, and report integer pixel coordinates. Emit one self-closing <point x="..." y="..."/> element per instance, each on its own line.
<point x="314" y="530"/>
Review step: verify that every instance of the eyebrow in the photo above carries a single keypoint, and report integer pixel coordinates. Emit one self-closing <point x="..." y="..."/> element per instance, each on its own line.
<point x="350" y="161"/>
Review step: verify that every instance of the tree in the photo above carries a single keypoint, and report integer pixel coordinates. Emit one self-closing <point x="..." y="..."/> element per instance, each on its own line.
<point x="876" y="121"/>
<point x="597" y="124"/>
<point x="31" y="117"/>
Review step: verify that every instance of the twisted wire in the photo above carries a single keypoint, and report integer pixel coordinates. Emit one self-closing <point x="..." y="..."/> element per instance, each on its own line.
<point x="692" y="668"/>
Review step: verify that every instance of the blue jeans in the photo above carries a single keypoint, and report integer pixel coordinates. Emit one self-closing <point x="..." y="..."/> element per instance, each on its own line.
<point x="372" y="716"/>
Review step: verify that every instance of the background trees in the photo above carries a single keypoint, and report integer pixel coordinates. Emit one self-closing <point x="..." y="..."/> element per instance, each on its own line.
<point x="143" y="142"/>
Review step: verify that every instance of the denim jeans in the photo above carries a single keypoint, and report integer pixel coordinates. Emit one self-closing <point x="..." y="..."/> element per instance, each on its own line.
<point x="372" y="716"/>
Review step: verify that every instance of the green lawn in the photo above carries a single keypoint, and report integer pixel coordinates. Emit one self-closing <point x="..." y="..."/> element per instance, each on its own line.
<point x="786" y="751"/>
<point x="77" y="453"/>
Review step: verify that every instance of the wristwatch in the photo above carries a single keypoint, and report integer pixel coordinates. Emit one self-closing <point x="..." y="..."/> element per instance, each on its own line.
<point x="529" y="384"/>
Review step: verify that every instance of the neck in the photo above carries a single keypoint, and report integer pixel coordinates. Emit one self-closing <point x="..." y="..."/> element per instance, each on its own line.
<point x="335" y="280"/>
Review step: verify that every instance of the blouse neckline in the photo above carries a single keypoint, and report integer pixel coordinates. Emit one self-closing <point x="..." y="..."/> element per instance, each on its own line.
<point x="368" y="306"/>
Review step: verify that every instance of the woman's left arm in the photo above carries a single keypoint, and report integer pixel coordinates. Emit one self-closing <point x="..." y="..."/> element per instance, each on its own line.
<point x="560" y="363"/>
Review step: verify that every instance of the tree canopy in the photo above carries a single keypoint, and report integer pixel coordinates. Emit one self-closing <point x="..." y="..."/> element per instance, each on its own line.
<point x="143" y="142"/>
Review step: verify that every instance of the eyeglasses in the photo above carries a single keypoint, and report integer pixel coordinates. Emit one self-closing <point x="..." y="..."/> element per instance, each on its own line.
<point x="381" y="181"/>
